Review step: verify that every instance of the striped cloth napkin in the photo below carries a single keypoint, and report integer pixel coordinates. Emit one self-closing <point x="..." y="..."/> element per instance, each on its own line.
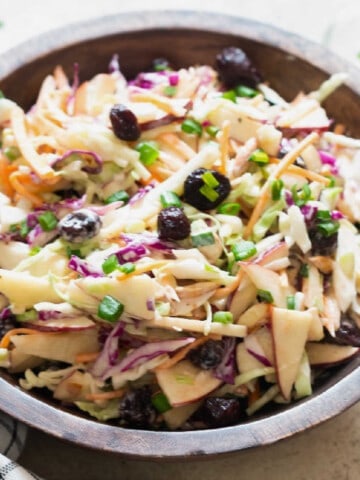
<point x="12" y="439"/>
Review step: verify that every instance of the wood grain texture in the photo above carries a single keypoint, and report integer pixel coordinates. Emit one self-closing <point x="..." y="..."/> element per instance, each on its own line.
<point x="291" y="64"/>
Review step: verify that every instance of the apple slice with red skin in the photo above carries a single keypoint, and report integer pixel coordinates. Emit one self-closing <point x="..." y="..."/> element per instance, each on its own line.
<point x="325" y="354"/>
<point x="185" y="383"/>
<point x="290" y="331"/>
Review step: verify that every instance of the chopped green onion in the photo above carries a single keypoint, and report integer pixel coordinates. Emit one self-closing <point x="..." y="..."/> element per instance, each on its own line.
<point x="73" y="251"/>
<point x="2" y="94"/>
<point x="161" y="66"/>
<point x="209" y="179"/>
<point x="323" y="214"/>
<point x="110" y="264"/>
<point x="304" y="270"/>
<point x="27" y="316"/>
<point x="48" y="221"/>
<point x="110" y="309"/>
<point x="301" y="198"/>
<point x="120" y="196"/>
<point x="230" y="95"/>
<point x="209" y="193"/>
<point x="332" y="182"/>
<point x="290" y="302"/>
<point x="276" y="189"/>
<point x="12" y="153"/>
<point x="128" y="267"/>
<point x="212" y="130"/>
<point x="22" y="228"/>
<point x="229" y="208"/>
<point x="223" y="317"/>
<point x="191" y="126"/>
<point x="265" y="296"/>
<point x="160" y="402"/>
<point x="243" y="91"/>
<point x="169" y="91"/>
<point x="149" y="152"/>
<point x="170" y="199"/>
<point x="203" y="239"/>
<point x="34" y="251"/>
<point x="243" y="250"/>
<point x="259" y="157"/>
<point x="328" y="228"/>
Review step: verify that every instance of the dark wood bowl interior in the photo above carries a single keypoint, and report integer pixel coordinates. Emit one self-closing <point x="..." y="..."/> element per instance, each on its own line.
<point x="291" y="64"/>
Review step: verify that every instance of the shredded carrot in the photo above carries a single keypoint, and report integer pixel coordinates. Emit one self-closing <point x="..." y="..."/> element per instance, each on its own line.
<point x="224" y="146"/>
<point x="178" y="145"/>
<point x="183" y="352"/>
<point x="86" y="357"/>
<point x="5" y="171"/>
<point x="5" y="341"/>
<point x="105" y="395"/>
<point x="16" y="183"/>
<point x="254" y="395"/>
<point x="142" y="269"/>
<point x="222" y="292"/>
<point x="280" y="169"/>
<point x="303" y="172"/>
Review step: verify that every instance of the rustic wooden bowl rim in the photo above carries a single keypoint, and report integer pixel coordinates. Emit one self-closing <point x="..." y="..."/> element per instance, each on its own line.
<point x="325" y="403"/>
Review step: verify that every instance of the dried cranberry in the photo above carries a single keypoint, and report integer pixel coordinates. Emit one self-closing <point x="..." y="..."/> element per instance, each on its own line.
<point x="208" y="355"/>
<point x="136" y="409"/>
<point x="195" y="195"/>
<point x="348" y="333"/>
<point x="221" y="412"/>
<point x="235" y="68"/>
<point x="173" y="224"/>
<point x="78" y="226"/>
<point x="321" y="244"/>
<point x="124" y="123"/>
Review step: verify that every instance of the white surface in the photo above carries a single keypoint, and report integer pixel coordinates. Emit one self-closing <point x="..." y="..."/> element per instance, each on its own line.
<point x="335" y="22"/>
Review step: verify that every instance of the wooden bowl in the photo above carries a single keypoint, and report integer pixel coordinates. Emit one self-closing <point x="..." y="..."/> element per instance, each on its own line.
<point x="291" y="64"/>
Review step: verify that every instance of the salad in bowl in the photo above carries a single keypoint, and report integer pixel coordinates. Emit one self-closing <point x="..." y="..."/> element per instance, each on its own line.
<point x="178" y="250"/>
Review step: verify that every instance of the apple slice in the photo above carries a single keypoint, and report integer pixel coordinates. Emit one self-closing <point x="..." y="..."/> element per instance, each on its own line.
<point x="244" y="296"/>
<point x="63" y="324"/>
<point x="245" y="361"/>
<point x="58" y="346"/>
<point x="19" y="362"/>
<point x="255" y="315"/>
<point x="185" y="383"/>
<point x="329" y="353"/>
<point x="73" y="387"/>
<point x="175" y="417"/>
<point x="290" y="331"/>
<point x="265" y="279"/>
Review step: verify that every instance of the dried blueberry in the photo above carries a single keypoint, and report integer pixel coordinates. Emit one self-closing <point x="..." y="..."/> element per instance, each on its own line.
<point x="78" y="226"/>
<point x="173" y="224"/>
<point x="7" y="323"/>
<point x="124" y="123"/>
<point x="136" y="409"/>
<point x="221" y="412"/>
<point x="235" y="68"/>
<point x="206" y="189"/>
<point x="208" y="355"/>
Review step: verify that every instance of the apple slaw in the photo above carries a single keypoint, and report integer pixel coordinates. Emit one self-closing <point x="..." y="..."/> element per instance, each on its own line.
<point x="248" y="307"/>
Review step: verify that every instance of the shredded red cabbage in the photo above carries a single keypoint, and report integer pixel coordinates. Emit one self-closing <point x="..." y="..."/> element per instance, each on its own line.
<point x="309" y="212"/>
<point x="226" y="370"/>
<point x="92" y="162"/>
<point x="141" y="193"/>
<point x="151" y="241"/>
<point x="328" y="159"/>
<point x="114" y="65"/>
<point x="131" y="253"/>
<point x="110" y="352"/>
<point x="37" y="237"/>
<point x="144" y="354"/>
<point x="83" y="268"/>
